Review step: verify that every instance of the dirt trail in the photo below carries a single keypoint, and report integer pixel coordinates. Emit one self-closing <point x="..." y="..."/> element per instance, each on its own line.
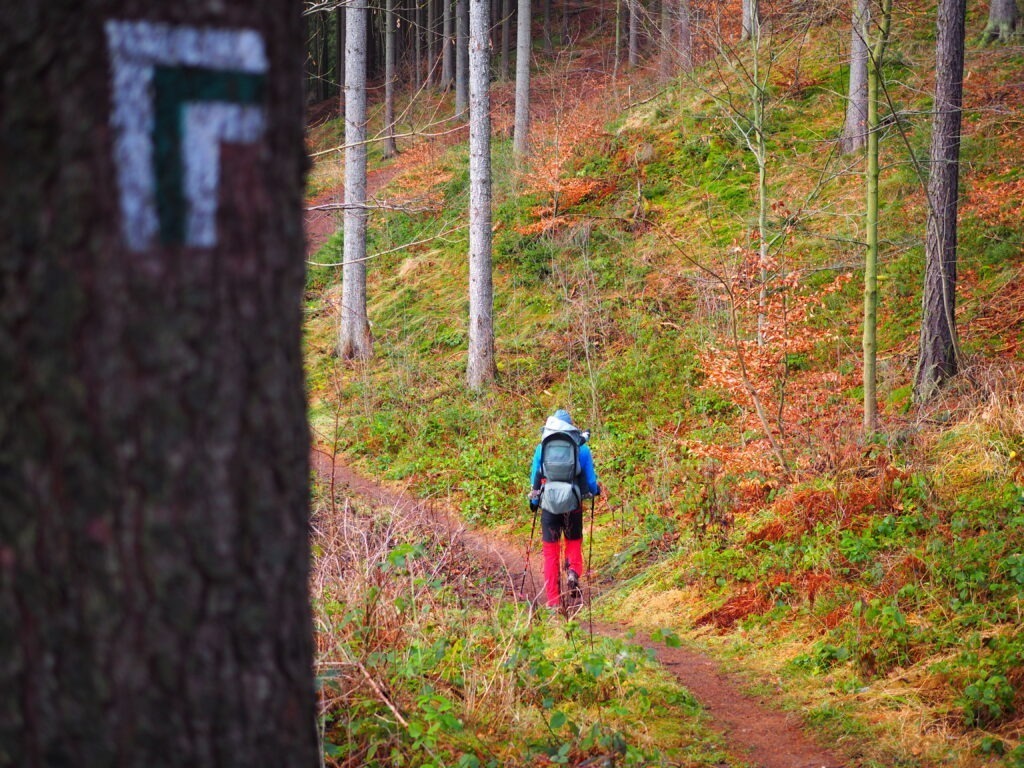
<point x="754" y="733"/>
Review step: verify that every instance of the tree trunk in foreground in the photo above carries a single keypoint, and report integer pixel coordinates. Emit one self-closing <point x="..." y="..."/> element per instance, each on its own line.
<point x="521" y="130"/>
<point x="854" y="136"/>
<point x="1003" y="22"/>
<point x="355" y="341"/>
<point x="153" y="446"/>
<point x="480" y="369"/>
<point x="938" y="349"/>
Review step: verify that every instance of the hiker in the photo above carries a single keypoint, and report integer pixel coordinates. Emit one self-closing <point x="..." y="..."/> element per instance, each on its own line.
<point x="562" y="476"/>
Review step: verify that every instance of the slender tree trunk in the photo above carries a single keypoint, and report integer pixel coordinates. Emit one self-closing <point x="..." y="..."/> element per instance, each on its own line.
<point x="417" y="14"/>
<point x="565" y="23"/>
<point x="341" y="60"/>
<point x="666" y="63"/>
<point x="521" y="132"/>
<point x="549" y="47"/>
<point x="390" y="149"/>
<point x="506" y="38"/>
<point x="634" y="32"/>
<point x="875" y="62"/>
<point x="431" y="44"/>
<point x="480" y="370"/>
<point x="153" y="446"/>
<point x="617" y="61"/>
<point x="685" y="37"/>
<point x="355" y="341"/>
<point x="1004" y="21"/>
<point x="854" y="130"/>
<point x="448" y="50"/>
<point x="760" y="145"/>
<point x="461" y="56"/>
<point x="939" y="346"/>
<point x="342" y="33"/>
<point x="751" y="19"/>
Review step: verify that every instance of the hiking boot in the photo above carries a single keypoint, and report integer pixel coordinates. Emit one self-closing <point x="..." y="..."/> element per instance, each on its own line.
<point x="573" y="582"/>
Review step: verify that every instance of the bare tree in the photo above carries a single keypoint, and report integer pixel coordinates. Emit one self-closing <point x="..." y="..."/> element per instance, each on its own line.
<point x="751" y="19"/>
<point x="390" y="148"/>
<point x="506" y="37"/>
<point x="417" y="16"/>
<point x="431" y="42"/>
<point x="340" y="53"/>
<point x="480" y="370"/>
<point x="461" y="56"/>
<point x="854" y="136"/>
<point x="448" y="47"/>
<point x="521" y="131"/>
<point x="685" y="37"/>
<point x="870" y="340"/>
<point x="939" y="348"/>
<point x="1004" y="21"/>
<point x="153" y="446"/>
<point x="355" y="340"/>
<point x="667" y="53"/>
<point x="634" y="32"/>
<point x="549" y="47"/>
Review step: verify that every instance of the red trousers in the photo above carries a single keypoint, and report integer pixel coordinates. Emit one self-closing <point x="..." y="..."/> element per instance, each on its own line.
<point x="552" y="562"/>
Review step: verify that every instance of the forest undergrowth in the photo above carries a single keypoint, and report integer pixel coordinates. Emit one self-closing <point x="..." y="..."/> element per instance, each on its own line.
<point x="878" y="584"/>
<point x="424" y="660"/>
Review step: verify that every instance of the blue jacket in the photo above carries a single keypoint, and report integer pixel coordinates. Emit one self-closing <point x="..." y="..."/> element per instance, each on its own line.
<point x="586" y="469"/>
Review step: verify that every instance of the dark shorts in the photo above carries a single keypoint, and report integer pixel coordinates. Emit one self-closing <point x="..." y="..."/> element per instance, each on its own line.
<point x="553" y="526"/>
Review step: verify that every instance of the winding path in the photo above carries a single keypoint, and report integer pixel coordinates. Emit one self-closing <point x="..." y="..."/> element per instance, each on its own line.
<point x="753" y="732"/>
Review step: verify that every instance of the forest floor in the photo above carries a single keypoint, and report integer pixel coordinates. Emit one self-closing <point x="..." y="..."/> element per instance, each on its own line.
<point x="754" y="732"/>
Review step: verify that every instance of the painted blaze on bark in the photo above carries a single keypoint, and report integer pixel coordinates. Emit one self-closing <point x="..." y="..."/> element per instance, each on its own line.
<point x="153" y="448"/>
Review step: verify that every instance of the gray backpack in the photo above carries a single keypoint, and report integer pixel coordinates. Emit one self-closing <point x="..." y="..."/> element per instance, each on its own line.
<point x="560" y="465"/>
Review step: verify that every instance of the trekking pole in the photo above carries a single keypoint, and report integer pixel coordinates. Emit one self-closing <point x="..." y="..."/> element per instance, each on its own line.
<point x="590" y="568"/>
<point x="529" y="548"/>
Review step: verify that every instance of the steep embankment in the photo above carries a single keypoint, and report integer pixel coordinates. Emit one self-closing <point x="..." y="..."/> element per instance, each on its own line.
<point x="876" y="583"/>
<point x="752" y="730"/>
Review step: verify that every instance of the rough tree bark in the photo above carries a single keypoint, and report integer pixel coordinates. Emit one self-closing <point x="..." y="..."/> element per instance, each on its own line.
<point x="355" y="341"/>
<point x="854" y="136"/>
<point x="937" y="361"/>
<point x="1004" y="22"/>
<point x="461" y="56"/>
<point x="153" y="446"/>
<point x="480" y="369"/>
<point x="521" y="130"/>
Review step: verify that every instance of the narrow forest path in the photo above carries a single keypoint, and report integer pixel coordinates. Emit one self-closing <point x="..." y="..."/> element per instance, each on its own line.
<point x="753" y="731"/>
